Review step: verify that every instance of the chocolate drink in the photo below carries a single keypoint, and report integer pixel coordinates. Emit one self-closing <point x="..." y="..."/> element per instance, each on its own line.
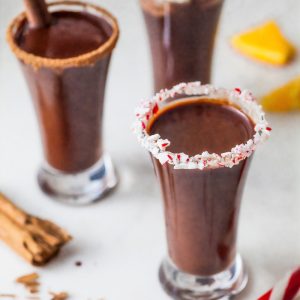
<point x="181" y="35"/>
<point x="69" y="102"/>
<point x="202" y="206"/>
<point x="65" y="65"/>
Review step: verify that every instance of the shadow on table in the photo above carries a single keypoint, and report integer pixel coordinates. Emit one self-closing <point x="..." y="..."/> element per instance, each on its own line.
<point x="248" y="291"/>
<point x="137" y="178"/>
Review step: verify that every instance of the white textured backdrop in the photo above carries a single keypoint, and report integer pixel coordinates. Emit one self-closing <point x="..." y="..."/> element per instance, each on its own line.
<point x="120" y="241"/>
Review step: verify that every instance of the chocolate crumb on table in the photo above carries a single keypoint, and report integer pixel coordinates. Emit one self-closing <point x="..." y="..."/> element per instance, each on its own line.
<point x="33" y="289"/>
<point x="30" y="282"/>
<point x="28" y="279"/>
<point x="78" y="263"/>
<point x="59" y="296"/>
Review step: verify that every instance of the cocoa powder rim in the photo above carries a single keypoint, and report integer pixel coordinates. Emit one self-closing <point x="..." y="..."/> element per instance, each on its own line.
<point x="59" y="63"/>
<point x="244" y="100"/>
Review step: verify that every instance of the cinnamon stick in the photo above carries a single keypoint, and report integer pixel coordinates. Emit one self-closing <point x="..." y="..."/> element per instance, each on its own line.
<point x="35" y="239"/>
<point x="37" y="13"/>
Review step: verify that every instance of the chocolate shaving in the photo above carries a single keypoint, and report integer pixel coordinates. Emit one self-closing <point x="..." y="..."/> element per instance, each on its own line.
<point x="28" y="279"/>
<point x="33" y="289"/>
<point x="59" y="296"/>
<point x="30" y="282"/>
<point x="78" y="263"/>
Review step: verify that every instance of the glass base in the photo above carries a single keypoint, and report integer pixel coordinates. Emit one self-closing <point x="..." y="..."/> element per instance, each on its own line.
<point x="81" y="188"/>
<point x="183" y="286"/>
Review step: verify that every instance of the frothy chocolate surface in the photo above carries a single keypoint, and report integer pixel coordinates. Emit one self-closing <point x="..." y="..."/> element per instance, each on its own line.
<point x="195" y="126"/>
<point x="69" y="35"/>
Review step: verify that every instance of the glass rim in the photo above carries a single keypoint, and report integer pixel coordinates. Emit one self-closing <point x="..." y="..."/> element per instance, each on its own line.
<point x="85" y="59"/>
<point x="244" y="100"/>
<point x="159" y="7"/>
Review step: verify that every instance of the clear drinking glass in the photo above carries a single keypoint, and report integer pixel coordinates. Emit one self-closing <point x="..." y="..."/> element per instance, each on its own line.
<point x="68" y="95"/>
<point x="202" y="193"/>
<point x="181" y="35"/>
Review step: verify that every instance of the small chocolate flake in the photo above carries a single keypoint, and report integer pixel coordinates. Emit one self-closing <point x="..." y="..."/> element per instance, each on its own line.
<point x="78" y="263"/>
<point x="10" y="296"/>
<point x="32" y="284"/>
<point x="59" y="296"/>
<point x="27" y="279"/>
<point x="33" y="289"/>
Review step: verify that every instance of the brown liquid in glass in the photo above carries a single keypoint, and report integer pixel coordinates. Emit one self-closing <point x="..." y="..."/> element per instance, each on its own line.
<point x="202" y="206"/>
<point x="182" y="38"/>
<point x="69" y="101"/>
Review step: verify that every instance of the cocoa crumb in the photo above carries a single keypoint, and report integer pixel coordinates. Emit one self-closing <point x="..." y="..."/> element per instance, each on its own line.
<point x="59" y="296"/>
<point x="10" y="296"/>
<point x="30" y="282"/>
<point x="78" y="263"/>
<point x="33" y="290"/>
<point x="28" y="279"/>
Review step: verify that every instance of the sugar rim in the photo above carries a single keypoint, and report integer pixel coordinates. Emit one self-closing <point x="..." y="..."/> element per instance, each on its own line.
<point x="157" y="146"/>
<point x="59" y="63"/>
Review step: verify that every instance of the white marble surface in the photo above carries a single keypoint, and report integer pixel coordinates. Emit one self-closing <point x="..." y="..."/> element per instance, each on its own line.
<point x="121" y="240"/>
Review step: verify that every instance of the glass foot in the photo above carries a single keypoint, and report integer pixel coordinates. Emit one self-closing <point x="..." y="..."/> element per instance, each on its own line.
<point x="81" y="188"/>
<point x="183" y="286"/>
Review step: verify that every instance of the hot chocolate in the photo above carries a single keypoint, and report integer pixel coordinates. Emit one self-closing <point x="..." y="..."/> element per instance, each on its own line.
<point x="65" y="64"/>
<point x="181" y="35"/>
<point x="202" y="206"/>
<point x="69" y="111"/>
<point x="201" y="139"/>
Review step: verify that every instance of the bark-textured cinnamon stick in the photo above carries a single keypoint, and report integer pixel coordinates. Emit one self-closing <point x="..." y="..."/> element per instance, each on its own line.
<point x="37" y="13"/>
<point x="35" y="239"/>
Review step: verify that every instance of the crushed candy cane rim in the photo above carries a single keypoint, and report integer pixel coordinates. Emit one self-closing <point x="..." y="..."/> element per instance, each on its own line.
<point x="157" y="146"/>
